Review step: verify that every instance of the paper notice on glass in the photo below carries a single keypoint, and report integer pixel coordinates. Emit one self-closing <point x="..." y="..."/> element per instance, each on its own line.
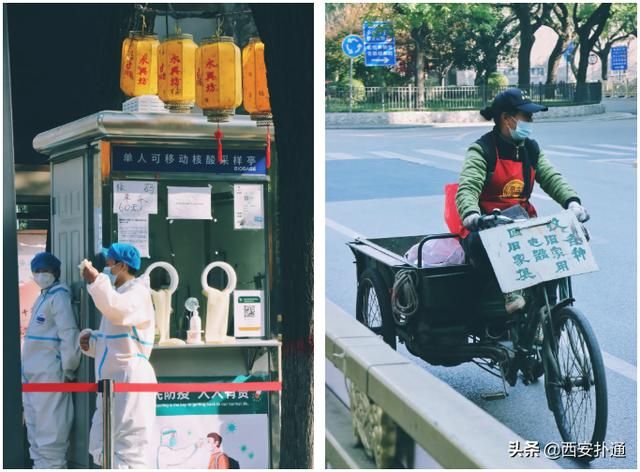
<point x="97" y="230"/>
<point x="135" y="231"/>
<point x="189" y="203"/>
<point x="248" y="209"/>
<point x="134" y="197"/>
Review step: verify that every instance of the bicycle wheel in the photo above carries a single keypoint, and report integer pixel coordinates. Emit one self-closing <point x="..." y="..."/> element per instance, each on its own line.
<point x="373" y="306"/>
<point x="578" y="394"/>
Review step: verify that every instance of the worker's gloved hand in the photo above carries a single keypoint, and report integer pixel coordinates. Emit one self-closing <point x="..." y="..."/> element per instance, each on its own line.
<point x="471" y="221"/>
<point x="579" y="211"/>
<point x="84" y="339"/>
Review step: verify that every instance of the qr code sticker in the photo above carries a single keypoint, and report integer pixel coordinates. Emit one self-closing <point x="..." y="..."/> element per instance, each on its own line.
<point x="249" y="311"/>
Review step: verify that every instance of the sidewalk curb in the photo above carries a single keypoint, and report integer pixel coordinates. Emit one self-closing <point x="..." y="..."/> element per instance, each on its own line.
<point x="464" y="118"/>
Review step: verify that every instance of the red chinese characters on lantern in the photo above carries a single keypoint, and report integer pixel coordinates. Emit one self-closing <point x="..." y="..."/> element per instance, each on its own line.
<point x="128" y="67"/>
<point x="175" y="74"/>
<point x="211" y="77"/>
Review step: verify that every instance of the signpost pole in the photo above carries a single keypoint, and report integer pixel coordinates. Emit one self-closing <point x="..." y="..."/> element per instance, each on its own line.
<point x="350" y="84"/>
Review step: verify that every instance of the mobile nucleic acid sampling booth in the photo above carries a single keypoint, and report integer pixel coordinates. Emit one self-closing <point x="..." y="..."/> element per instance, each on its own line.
<point x="202" y="221"/>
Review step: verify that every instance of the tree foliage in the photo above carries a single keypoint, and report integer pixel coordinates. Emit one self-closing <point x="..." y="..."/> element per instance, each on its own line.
<point x="434" y="38"/>
<point x="621" y="26"/>
<point x="531" y="16"/>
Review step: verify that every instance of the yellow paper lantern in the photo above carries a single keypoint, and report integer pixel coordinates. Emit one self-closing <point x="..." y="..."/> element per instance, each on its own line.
<point x="176" y="72"/>
<point x="139" y="65"/>
<point x="255" y="94"/>
<point x="218" y="78"/>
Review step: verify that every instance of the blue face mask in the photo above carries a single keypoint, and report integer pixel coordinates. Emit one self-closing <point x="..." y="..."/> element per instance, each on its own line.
<point x="107" y="271"/>
<point x="523" y="130"/>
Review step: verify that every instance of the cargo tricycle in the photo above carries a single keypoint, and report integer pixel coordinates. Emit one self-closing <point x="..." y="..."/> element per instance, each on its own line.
<point x="449" y="315"/>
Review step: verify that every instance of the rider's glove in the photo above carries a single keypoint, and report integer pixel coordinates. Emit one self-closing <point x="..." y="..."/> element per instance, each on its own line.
<point x="471" y="221"/>
<point x="579" y="211"/>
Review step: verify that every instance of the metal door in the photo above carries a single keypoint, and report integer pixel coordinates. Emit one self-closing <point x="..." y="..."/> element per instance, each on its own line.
<point x="68" y="227"/>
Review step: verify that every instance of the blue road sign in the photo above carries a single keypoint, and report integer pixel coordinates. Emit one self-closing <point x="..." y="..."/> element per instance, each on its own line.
<point x="568" y="51"/>
<point x="377" y="31"/>
<point x="619" y="58"/>
<point x="380" y="44"/>
<point x="352" y="45"/>
<point x="380" y="54"/>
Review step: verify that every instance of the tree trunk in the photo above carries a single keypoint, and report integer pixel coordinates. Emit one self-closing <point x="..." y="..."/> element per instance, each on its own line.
<point x="291" y="92"/>
<point x="588" y="34"/>
<point x="491" y="64"/>
<point x="420" y="76"/>
<point x="603" y="54"/>
<point x="581" y="76"/>
<point x="524" y="60"/>
<point x="554" y="59"/>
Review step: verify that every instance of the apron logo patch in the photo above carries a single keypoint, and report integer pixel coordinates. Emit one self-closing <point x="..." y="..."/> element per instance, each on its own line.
<point x="513" y="189"/>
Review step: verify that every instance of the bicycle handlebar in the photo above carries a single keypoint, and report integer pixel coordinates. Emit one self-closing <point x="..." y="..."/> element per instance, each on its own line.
<point x="486" y="221"/>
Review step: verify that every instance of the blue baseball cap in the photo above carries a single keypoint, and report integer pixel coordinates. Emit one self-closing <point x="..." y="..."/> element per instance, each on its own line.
<point x="45" y="260"/>
<point x="511" y="100"/>
<point x="122" y="252"/>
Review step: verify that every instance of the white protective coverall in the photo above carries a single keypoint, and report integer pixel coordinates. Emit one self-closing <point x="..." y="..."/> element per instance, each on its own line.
<point x="49" y="354"/>
<point x="121" y="348"/>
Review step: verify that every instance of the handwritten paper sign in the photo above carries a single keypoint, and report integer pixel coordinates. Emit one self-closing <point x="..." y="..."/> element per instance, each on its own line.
<point x="135" y="231"/>
<point x="135" y="197"/>
<point x="247" y="206"/>
<point x="527" y="253"/>
<point x="189" y="203"/>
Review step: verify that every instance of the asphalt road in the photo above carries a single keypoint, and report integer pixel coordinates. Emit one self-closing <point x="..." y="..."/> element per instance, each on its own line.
<point x="389" y="182"/>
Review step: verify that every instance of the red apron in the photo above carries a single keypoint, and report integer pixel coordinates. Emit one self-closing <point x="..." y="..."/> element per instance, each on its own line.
<point x="504" y="190"/>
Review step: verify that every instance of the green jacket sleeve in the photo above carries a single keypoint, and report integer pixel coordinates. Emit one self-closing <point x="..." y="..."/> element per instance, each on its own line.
<point x="471" y="181"/>
<point x="553" y="184"/>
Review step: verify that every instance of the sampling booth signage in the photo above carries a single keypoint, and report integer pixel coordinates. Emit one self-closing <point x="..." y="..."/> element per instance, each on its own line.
<point x="202" y="222"/>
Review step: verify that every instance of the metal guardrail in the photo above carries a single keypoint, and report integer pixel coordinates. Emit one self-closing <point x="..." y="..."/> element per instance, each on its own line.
<point x="449" y="427"/>
<point x="624" y="88"/>
<point x="384" y="99"/>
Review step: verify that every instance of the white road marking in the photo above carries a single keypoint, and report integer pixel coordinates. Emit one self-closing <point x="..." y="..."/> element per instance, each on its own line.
<point x="340" y="156"/>
<point x="552" y="152"/>
<point x="348" y="232"/>
<point x="616" y="161"/>
<point x="619" y="366"/>
<point x="589" y="150"/>
<point x="443" y="154"/>
<point x="403" y="157"/>
<point x="615" y="146"/>
<point x="542" y="196"/>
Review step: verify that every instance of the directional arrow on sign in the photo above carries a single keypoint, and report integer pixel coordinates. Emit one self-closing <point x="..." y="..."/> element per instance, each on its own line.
<point x="380" y="60"/>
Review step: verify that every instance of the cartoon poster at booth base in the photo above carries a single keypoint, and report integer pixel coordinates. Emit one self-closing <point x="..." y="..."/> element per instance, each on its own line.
<point x="190" y="442"/>
<point x="211" y="430"/>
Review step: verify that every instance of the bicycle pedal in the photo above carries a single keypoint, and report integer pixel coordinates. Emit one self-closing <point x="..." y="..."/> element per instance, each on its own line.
<point x="494" y="396"/>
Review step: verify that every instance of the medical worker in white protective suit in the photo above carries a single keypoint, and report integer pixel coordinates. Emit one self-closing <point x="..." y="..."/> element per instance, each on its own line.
<point x="121" y="348"/>
<point x="50" y="354"/>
